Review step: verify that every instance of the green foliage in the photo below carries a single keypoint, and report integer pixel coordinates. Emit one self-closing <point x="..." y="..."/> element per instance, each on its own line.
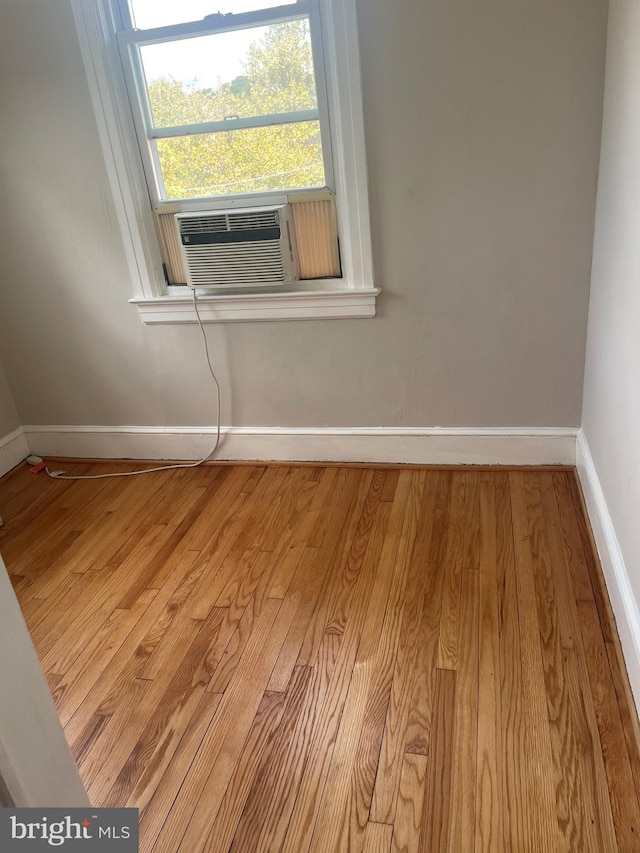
<point x="241" y="85"/>
<point x="278" y="77"/>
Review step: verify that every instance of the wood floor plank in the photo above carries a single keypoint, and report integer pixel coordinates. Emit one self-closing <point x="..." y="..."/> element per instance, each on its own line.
<point x="302" y="567"/>
<point x="408" y="817"/>
<point x="471" y="527"/>
<point x="607" y="621"/>
<point x="45" y="578"/>
<point x="516" y="811"/>
<point x="223" y="743"/>
<point x="462" y="831"/>
<point x="624" y="801"/>
<point x="212" y="535"/>
<point x="556" y="638"/>
<point x="288" y="560"/>
<point x="90" y="733"/>
<point x="59" y="561"/>
<point x="108" y="748"/>
<point x="449" y="616"/>
<point x="320" y="705"/>
<point x="48" y="620"/>
<point x="489" y="828"/>
<point x="14" y="481"/>
<point x="266" y="722"/>
<point x="345" y="807"/>
<point x="626" y="709"/>
<point x="576" y="796"/>
<point x="118" y="520"/>
<point x="387" y="783"/>
<point x="120" y="744"/>
<point x="572" y="540"/>
<point x="231" y="585"/>
<point x="249" y="602"/>
<point x="321" y="516"/>
<point x="99" y="599"/>
<point x="338" y="604"/>
<point x="249" y="585"/>
<point x="176" y="702"/>
<point x="312" y="575"/>
<point x="377" y="838"/>
<point x="153" y="812"/>
<point x="235" y="536"/>
<point x="591" y="785"/>
<point x="80" y="676"/>
<point x="295" y="658"/>
<point x="324" y="703"/>
<point x="436" y="811"/>
<point x="388" y="600"/>
<point x="69" y="509"/>
<point x="552" y="589"/>
<point x="347" y="553"/>
<point x="544" y="833"/>
<point x="309" y="577"/>
<point x="334" y="829"/>
<point x="192" y="507"/>
<point x="280" y="508"/>
<point x="132" y="655"/>
<point x="391" y="477"/>
<point x="28" y="504"/>
<point x="417" y="732"/>
<point x="262" y="826"/>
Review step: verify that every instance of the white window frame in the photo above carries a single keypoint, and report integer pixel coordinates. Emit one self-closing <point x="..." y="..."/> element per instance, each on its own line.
<point x="353" y="295"/>
<point x="131" y="40"/>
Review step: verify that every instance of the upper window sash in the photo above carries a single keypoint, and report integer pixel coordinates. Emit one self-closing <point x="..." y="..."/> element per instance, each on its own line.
<point x="133" y="40"/>
<point x="130" y="41"/>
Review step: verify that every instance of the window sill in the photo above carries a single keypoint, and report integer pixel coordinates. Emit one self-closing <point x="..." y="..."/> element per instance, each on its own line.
<point x="327" y="303"/>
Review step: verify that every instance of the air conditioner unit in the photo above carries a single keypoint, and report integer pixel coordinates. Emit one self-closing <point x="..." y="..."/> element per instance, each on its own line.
<point x="238" y="247"/>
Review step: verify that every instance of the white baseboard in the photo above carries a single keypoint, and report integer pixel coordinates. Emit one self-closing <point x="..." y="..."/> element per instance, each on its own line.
<point x="13" y="449"/>
<point x="623" y="601"/>
<point x="508" y="446"/>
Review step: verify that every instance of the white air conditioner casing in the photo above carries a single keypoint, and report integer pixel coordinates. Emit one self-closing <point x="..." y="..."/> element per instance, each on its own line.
<point x="238" y="247"/>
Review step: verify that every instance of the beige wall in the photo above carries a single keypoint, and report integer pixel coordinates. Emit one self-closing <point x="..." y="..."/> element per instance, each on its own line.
<point x="483" y="128"/>
<point x="612" y="380"/>
<point x="9" y="419"/>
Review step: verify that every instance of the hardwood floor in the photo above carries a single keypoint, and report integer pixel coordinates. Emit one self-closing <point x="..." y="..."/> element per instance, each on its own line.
<point x="332" y="659"/>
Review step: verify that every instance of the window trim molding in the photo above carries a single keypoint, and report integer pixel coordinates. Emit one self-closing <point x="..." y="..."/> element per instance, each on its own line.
<point x="328" y="303"/>
<point x="95" y="25"/>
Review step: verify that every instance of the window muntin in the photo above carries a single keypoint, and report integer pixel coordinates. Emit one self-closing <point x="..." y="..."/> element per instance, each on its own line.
<point x="269" y="122"/>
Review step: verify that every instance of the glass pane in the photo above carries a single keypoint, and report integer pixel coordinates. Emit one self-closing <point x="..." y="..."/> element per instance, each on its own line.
<point x="281" y="157"/>
<point x="161" y="13"/>
<point x="252" y="72"/>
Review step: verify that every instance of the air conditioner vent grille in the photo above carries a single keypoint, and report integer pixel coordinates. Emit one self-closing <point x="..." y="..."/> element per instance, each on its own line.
<point x="203" y="224"/>
<point x="256" y="219"/>
<point x="212" y="223"/>
<point x="236" y="248"/>
<point x="236" y="263"/>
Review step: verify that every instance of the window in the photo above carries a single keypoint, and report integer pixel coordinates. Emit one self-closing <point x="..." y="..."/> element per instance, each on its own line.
<point x="231" y="104"/>
<point x="255" y="104"/>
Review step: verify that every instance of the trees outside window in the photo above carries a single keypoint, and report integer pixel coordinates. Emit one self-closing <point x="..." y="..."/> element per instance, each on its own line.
<point x="277" y="78"/>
